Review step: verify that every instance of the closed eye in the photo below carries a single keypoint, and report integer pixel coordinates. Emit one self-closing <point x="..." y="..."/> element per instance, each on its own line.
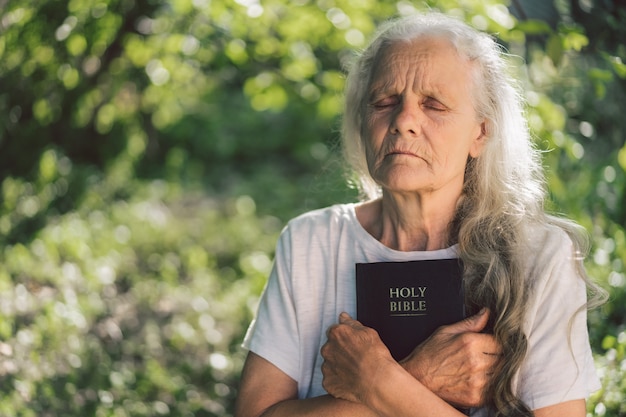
<point x="434" y="104"/>
<point x="385" y="102"/>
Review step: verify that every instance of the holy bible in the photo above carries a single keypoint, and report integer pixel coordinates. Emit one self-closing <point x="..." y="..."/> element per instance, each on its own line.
<point x="407" y="301"/>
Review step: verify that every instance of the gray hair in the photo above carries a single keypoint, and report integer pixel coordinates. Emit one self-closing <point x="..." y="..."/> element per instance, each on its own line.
<point x="503" y="194"/>
<point x="509" y="165"/>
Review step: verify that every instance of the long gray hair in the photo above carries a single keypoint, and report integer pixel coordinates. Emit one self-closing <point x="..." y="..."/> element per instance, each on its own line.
<point x="503" y="195"/>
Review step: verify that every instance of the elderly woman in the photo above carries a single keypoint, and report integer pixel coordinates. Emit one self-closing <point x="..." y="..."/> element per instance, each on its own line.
<point x="435" y="131"/>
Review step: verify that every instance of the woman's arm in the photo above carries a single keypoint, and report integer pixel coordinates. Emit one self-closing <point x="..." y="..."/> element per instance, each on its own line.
<point x="267" y="391"/>
<point x="443" y="364"/>
<point x="456" y="362"/>
<point x="359" y="368"/>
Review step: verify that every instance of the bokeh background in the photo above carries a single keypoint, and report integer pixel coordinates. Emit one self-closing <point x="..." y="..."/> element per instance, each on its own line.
<point x="152" y="150"/>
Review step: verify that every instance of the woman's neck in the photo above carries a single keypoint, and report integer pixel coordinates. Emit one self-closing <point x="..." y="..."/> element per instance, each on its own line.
<point x="408" y="223"/>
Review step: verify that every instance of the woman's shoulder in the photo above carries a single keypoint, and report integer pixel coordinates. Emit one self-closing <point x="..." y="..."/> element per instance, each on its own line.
<point x="322" y="228"/>
<point x="547" y="237"/>
<point x="550" y="244"/>
<point x="326" y="217"/>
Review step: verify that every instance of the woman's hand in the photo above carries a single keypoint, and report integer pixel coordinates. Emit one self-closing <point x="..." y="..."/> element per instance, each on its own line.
<point x="354" y="358"/>
<point x="457" y="361"/>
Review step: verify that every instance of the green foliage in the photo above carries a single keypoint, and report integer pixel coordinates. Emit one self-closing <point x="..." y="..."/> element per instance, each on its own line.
<point x="132" y="307"/>
<point x="150" y="152"/>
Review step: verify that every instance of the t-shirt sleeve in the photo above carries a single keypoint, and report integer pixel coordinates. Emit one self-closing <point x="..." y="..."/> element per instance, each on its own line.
<point x="559" y="364"/>
<point x="273" y="334"/>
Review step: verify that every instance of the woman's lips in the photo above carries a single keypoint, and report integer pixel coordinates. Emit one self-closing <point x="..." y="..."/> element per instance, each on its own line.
<point x="393" y="153"/>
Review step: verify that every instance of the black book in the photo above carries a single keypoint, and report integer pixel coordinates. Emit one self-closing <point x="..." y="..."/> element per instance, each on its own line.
<point x="407" y="301"/>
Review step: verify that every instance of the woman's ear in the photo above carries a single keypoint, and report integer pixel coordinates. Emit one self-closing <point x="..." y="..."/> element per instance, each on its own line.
<point x="479" y="143"/>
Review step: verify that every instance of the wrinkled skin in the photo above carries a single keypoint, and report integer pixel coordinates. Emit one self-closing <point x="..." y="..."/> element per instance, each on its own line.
<point x="458" y="365"/>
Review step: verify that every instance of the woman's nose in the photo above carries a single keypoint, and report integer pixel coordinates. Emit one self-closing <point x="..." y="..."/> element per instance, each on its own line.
<point x="407" y="119"/>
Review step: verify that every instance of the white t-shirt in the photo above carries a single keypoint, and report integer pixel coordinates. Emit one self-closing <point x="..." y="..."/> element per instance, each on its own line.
<point x="313" y="281"/>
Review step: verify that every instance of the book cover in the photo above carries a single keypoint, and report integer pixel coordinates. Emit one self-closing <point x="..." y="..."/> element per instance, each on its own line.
<point x="407" y="301"/>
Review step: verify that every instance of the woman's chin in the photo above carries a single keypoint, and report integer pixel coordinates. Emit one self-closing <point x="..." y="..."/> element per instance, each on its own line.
<point x="404" y="178"/>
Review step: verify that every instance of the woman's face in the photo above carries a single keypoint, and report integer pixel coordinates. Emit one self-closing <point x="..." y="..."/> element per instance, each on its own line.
<point x="420" y="125"/>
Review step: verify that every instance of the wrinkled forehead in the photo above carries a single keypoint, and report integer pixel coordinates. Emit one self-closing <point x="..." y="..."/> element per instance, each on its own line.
<point x="429" y="61"/>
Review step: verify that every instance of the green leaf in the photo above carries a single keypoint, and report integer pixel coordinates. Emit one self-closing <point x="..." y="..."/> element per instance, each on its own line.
<point x="554" y="49"/>
<point x="575" y="41"/>
<point x="618" y="66"/>
<point x="609" y="342"/>
<point x="621" y="157"/>
<point x="533" y="27"/>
